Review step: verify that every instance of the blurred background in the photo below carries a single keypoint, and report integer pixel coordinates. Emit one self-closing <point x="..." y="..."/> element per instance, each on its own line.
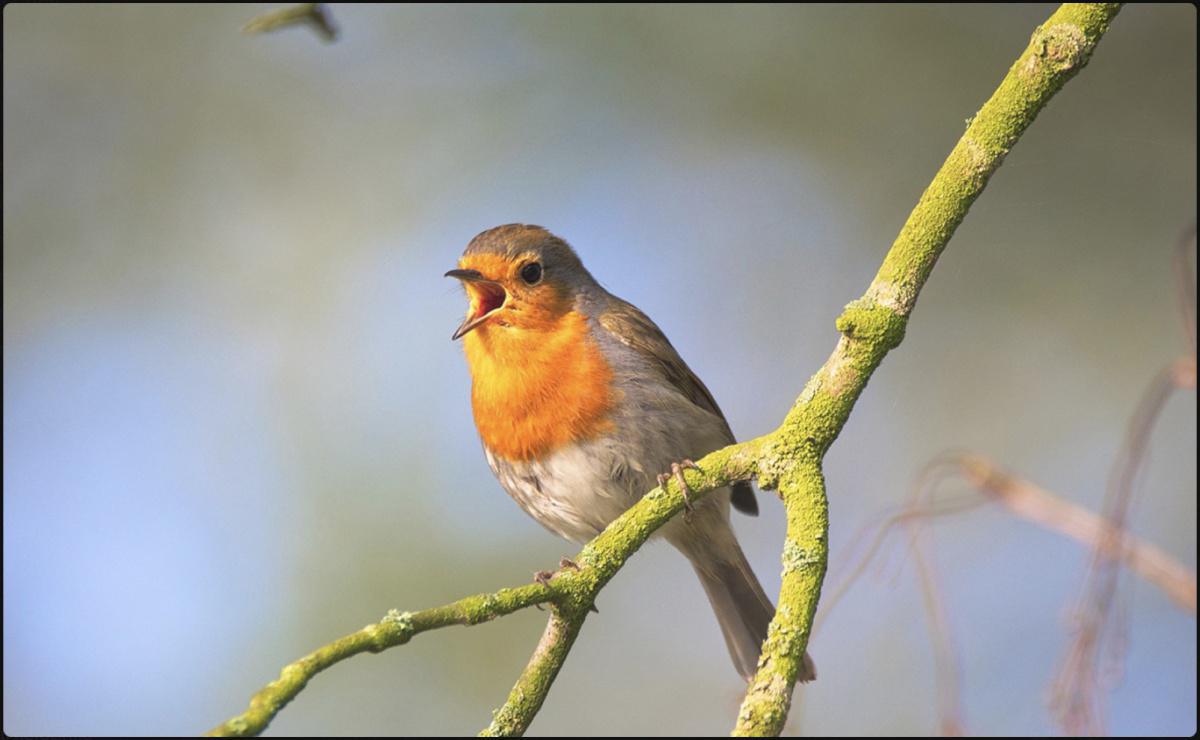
<point x="235" y="427"/>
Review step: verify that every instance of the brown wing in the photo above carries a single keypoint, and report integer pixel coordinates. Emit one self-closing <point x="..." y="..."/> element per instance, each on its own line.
<point x="635" y="329"/>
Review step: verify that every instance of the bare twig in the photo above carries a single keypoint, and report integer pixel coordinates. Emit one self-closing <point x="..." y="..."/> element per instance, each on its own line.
<point x="945" y="653"/>
<point x="1077" y="692"/>
<point x="1076" y="695"/>
<point x="314" y="15"/>
<point x="1027" y="501"/>
<point x="1035" y="504"/>
<point x="947" y="675"/>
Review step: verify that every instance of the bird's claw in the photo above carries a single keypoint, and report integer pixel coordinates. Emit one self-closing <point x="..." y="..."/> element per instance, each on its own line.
<point x="677" y="471"/>
<point x="543" y="577"/>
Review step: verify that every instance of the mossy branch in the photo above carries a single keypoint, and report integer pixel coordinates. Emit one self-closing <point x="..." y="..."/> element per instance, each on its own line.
<point x="576" y="588"/>
<point x="571" y="594"/>
<point x="788" y="459"/>
<point x="526" y="697"/>
<point x="875" y="324"/>
<point x="396" y="628"/>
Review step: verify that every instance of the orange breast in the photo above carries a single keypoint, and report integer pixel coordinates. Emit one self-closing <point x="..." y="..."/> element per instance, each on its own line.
<point x="534" y="391"/>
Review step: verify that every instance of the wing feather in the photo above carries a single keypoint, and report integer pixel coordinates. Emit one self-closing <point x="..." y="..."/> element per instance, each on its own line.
<point x="635" y="330"/>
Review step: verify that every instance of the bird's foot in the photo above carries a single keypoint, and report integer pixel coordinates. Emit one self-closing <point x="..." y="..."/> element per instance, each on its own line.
<point x="677" y="471"/>
<point x="543" y="576"/>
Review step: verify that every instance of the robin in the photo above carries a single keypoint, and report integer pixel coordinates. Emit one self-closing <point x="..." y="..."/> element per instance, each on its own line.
<point x="583" y="406"/>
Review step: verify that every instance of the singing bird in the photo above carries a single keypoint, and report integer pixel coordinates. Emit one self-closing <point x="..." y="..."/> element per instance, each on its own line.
<point x="583" y="406"/>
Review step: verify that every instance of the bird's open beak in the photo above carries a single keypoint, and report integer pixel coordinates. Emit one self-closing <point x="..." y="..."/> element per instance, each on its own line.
<point x="487" y="297"/>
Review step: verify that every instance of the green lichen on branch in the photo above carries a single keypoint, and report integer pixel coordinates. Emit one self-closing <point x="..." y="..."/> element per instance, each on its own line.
<point x="1059" y="49"/>
<point x="526" y="697"/>
<point x="788" y="459"/>
<point x="874" y="325"/>
<point x="571" y="594"/>
<point x="396" y="628"/>
<point x="575" y="589"/>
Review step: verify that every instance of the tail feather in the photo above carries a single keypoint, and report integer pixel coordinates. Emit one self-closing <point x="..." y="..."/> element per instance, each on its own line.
<point x="742" y="608"/>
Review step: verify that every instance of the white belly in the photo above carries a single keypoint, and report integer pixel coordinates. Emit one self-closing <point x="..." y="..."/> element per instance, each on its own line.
<point x="574" y="492"/>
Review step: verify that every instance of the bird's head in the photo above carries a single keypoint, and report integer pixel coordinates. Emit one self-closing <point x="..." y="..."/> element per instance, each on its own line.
<point x="518" y="278"/>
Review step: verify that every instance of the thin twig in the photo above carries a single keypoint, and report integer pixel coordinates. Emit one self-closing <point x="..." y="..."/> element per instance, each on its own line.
<point x="397" y="628"/>
<point x="945" y="652"/>
<point x="1077" y="691"/>
<point x="952" y="716"/>
<point x="1027" y="501"/>
<point x="1035" y="504"/>
<point x="571" y="592"/>
<point x="314" y="15"/>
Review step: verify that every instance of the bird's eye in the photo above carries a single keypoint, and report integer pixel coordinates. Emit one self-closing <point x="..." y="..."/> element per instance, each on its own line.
<point x="531" y="273"/>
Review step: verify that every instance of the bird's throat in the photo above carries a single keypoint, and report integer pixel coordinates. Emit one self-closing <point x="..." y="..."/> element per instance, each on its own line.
<point x="534" y="391"/>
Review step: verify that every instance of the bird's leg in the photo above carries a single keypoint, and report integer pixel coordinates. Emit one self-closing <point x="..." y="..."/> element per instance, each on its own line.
<point x="543" y="577"/>
<point x="677" y="469"/>
<point x="684" y="488"/>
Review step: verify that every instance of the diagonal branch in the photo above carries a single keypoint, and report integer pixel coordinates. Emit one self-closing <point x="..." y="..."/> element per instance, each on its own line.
<point x="571" y="594"/>
<point x="1031" y="502"/>
<point x="397" y="628"/>
<point x="598" y="562"/>
<point x="526" y="697"/>
<point x="788" y="458"/>
<point x="874" y="324"/>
